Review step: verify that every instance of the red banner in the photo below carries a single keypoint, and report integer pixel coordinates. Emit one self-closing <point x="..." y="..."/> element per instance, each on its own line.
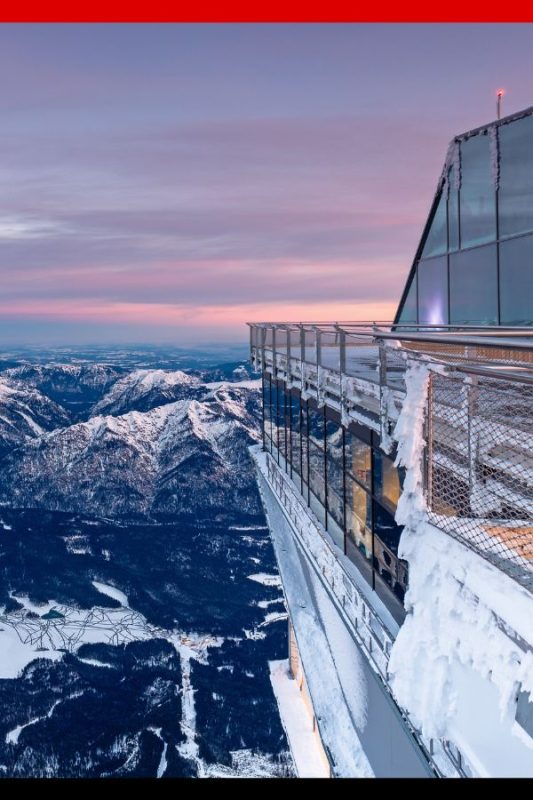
<point x="273" y="11"/>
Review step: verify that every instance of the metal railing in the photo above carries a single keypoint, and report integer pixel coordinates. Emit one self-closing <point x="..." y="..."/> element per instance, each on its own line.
<point x="353" y="349"/>
<point x="360" y="617"/>
<point x="479" y="467"/>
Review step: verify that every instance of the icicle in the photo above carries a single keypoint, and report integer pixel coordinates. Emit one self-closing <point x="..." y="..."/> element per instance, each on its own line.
<point x="456" y="163"/>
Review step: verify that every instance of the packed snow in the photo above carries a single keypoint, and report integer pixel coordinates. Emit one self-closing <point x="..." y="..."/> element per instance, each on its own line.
<point x="307" y="753"/>
<point x="111" y="591"/>
<point x="461" y="650"/>
<point x="462" y="653"/>
<point x="266" y="580"/>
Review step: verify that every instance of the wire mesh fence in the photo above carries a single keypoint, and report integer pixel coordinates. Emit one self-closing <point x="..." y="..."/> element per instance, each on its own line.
<point x="480" y="467"/>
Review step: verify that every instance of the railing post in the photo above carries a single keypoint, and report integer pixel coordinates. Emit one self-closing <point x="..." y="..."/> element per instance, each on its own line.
<point x="274" y="366"/>
<point x="288" y="372"/>
<point x="383" y="404"/>
<point x="318" y="347"/>
<point x="428" y="435"/>
<point x="342" y="351"/>
<point x="471" y="394"/>
<point x="263" y="340"/>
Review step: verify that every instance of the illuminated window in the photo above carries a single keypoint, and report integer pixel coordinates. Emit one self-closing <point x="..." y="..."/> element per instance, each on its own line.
<point x="433" y="291"/>
<point x="358" y="459"/>
<point x="359" y="518"/>
<point x="409" y="308"/>
<point x="387" y="482"/>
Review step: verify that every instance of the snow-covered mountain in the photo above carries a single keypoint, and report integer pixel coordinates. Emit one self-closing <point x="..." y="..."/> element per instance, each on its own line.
<point x="74" y="386"/>
<point x="177" y="458"/>
<point x="163" y="591"/>
<point x="144" y="389"/>
<point x="26" y="414"/>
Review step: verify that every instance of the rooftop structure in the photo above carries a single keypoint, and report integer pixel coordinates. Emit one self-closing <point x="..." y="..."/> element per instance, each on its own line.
<point x="398" y="482"/>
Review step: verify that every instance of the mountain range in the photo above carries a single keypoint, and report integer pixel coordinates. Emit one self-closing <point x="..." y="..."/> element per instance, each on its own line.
<point x="155" y="442"/>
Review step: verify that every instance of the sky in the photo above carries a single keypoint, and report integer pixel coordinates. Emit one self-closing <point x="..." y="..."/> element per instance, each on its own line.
<point x="168" y="183"/>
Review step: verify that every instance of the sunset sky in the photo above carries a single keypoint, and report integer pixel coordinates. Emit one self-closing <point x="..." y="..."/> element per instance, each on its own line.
<point x="168" y="183"/>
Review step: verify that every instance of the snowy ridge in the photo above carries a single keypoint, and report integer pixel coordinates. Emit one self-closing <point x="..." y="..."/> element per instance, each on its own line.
<point x="25" y="414"/>
<point x="143" y="389"/>
<point x="142" y="462"/>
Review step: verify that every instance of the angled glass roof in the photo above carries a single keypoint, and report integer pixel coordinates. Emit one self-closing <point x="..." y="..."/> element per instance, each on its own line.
<point x="474" y="263"/>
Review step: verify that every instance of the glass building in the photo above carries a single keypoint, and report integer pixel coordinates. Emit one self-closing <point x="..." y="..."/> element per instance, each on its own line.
<point x="450" y="380"/>
<point x="350" y="484"/>
<point x="474" y="263"/>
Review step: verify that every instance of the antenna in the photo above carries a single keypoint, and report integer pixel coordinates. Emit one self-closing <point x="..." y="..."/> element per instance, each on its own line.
<point x="499" y="94"/>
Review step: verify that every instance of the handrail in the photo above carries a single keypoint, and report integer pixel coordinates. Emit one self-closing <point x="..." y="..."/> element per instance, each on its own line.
<point x="506" y="338"/>
<point x="378" y="324"/>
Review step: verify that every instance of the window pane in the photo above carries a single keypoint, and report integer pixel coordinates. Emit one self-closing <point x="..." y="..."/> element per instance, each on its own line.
<point x="295" y="433"/>
<point x="334" y="440"/>
<point x="316" y="473"/>
<point x="267" y="406"/>
<point x="358" y="459"/>
<point x="516" y="177"/>
<point x="316" y="426"/>
<point x="304" y="442"/>
<point x="453" y="212"/>
<point x="359" y="517"/>
<point x="386" y="528"/>
<point x="433" y="291"/>
<point x="274" y="406"/>
<point x="280" y="417"/>
<point x="388" y="480"/>
<point x="386" y="562"/>
<point x="408" y="313"/>
<point x="516" y="281"/>
<point x="474" y="286"/>
<point x="478" y="197"/>
<point x="335" y="476"/>
<point x="335" y="504"/>
<point x="436" y="241"/>
<point x="335" y="471"/>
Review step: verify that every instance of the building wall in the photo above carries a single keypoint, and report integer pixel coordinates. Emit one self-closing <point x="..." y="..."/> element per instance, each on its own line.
<point x="348" y="481"/>
<point x="360" y="726"/>
<point x="474" y="264"/>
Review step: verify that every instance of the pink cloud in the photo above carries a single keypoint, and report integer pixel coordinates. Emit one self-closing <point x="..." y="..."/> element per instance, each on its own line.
<point x="167" y="314"/>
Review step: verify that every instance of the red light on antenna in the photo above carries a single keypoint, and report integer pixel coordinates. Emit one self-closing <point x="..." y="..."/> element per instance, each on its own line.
<point x="500" y="92"/>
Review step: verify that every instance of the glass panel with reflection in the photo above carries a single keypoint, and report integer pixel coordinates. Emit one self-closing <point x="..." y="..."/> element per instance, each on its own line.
<point x="516" y="281"/>
<point x="477" y="193"/>
<point x="474" y="286"/>
<point x="437" y="240"/>
<point x="515" y="197"/>
<point x="433" y="291"/>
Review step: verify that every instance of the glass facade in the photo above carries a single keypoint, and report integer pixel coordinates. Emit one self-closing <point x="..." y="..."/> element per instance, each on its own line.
<point x="474" y="286"/>
<point x="474" y="265"/>
<point x="515" y="194"/>
<point x="516" y="284"/>
<point x="433" y="291"/>
<point x="350" y="484"/>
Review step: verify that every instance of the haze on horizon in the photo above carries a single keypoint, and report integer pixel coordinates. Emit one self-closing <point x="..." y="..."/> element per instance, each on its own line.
<point x="166" y="183"/>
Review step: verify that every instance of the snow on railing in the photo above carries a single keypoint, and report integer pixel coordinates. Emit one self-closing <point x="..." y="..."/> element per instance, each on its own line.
<point x="366" y="626"/>
<point x="478" y="419"/>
